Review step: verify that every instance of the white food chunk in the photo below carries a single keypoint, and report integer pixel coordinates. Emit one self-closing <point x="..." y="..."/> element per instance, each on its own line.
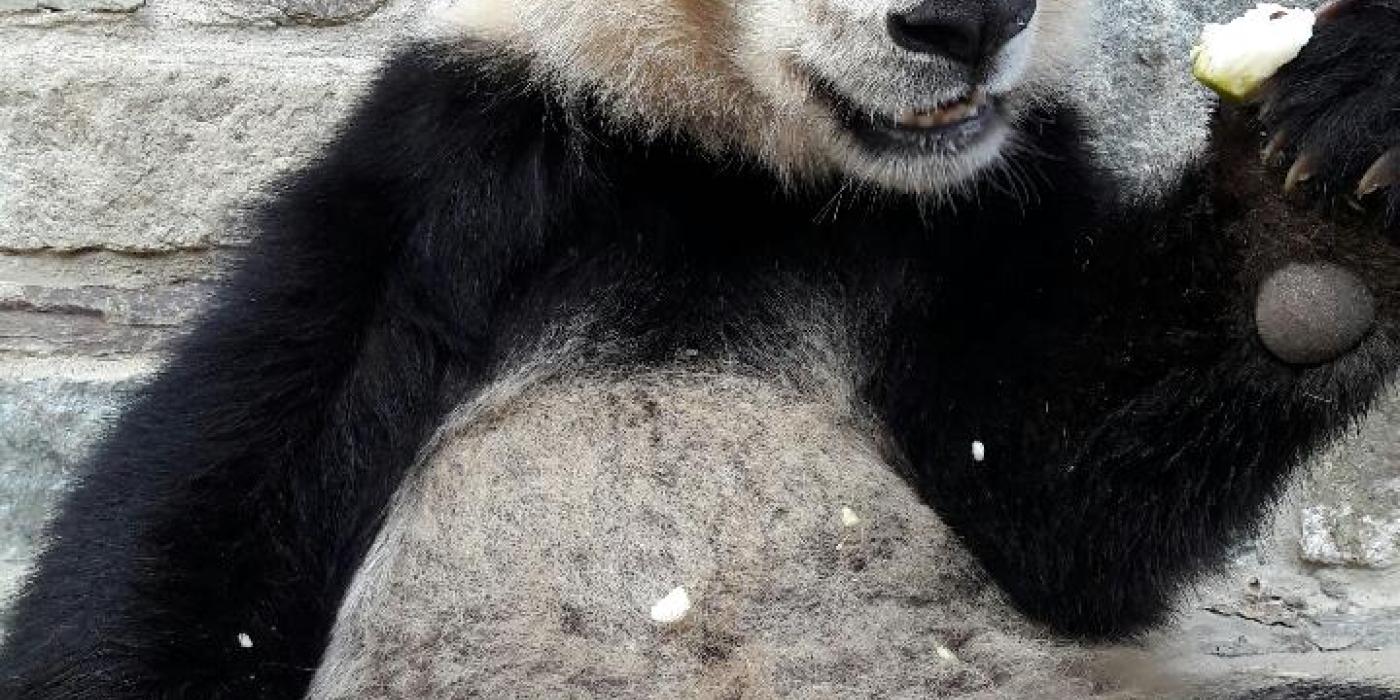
<point x="1235" y="59"/>
<point x="671" y="609"/>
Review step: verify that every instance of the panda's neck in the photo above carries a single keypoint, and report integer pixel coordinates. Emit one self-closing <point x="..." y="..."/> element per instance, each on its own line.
<point x="673" y="247"/>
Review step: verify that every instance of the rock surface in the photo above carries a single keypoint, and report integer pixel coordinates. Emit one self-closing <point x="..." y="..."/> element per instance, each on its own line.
<point x="1351" y="515"/>
<point x="273" y="12"/>
<point x="66" y="5"/>
<point x="126" y="147"/>
<point x="50" y="413"/>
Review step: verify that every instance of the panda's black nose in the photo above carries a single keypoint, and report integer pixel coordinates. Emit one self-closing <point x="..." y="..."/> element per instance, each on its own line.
<point x="966" y="31"/>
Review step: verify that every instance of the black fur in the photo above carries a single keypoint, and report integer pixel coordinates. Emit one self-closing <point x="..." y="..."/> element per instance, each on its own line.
<point x="1135" y="426"/>
<point x="1318" y="690"/>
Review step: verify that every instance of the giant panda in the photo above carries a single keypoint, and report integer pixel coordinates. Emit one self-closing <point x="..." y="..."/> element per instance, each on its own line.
<point x="815" y="310"/>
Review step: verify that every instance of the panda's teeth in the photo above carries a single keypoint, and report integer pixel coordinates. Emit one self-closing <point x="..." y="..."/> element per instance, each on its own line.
<point x="917" y="119"/>
<point x="955" y="113"/>
<point x="934" y="118"/>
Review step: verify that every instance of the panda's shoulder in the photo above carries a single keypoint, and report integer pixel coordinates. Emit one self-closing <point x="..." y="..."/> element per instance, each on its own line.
<point x="433" y="100"/>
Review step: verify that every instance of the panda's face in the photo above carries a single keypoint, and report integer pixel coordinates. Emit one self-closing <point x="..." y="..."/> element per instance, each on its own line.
<point x="912" y="95"/>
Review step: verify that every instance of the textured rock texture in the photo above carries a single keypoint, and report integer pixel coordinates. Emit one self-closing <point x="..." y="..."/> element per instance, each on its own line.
<point x="49" y="414"/>
<point x="269" y="13"/>
<point x="134" y="134"/>
<point x="70" y="5"/>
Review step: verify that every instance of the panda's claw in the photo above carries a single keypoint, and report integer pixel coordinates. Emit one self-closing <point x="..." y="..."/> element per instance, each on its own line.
<point x="1331" y="9"/>
<point x="1303" y="170"/>
<point x="1385" y="172"/>
<point x="1273" y="150"/>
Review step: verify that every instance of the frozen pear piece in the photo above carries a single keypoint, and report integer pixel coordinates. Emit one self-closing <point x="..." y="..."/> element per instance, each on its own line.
<point x="1235" y="59"/>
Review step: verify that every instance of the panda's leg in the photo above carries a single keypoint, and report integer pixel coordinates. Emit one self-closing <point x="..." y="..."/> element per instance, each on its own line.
<point x="205" y="551"/>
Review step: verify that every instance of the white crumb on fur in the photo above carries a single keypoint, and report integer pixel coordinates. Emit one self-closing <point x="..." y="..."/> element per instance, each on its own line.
<point x="849" y="517"/>
<point x="979" y="451"/>
<point x="244" y="640"/>
<point x="945" y="653"/>
<point x="673" y="608"/>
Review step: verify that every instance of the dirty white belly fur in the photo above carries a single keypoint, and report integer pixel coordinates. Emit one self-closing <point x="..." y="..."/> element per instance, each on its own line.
<point x="524" y="557"/>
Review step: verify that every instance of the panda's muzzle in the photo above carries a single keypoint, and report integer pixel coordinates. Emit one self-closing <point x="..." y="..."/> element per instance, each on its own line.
<point x="939" y="41"/>
<point x="941" y="129"/>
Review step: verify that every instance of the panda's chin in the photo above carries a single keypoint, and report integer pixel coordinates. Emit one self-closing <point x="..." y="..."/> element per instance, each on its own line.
<point x="921" y="169"/>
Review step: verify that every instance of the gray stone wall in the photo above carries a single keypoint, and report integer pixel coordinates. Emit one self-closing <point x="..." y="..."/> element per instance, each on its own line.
<point x="134" y="134"/>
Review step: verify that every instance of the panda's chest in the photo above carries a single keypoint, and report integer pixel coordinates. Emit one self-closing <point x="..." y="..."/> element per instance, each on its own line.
<point x="527" y="552"/>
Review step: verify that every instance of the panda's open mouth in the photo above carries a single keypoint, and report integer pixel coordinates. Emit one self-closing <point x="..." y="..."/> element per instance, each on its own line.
<point x="942" y="129"/>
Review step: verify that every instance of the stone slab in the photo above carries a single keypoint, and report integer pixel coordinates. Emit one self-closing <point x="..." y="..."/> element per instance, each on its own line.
<point x="154" y="146"/>
<point x="70" y="5"/>
<point x="269" y="12"/>
<point x="1350" y="514"/>
<point x="50" y="414"/>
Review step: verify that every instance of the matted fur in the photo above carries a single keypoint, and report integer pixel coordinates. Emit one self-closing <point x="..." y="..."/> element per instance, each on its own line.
<point x="527" y="551"/>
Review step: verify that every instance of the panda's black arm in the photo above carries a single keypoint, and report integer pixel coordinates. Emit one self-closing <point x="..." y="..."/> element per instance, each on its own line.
<point x="1132" y="425"/>
<point x="1097" y="539"/>
<point x="1123" y="440"/>
<point x="204" y="552"/>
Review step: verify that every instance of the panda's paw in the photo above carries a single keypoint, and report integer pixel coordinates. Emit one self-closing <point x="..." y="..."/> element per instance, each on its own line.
<point x="1333" y="114"/>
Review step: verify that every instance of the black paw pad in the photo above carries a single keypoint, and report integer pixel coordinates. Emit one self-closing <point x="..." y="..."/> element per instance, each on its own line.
<point x="1309" y="314"/>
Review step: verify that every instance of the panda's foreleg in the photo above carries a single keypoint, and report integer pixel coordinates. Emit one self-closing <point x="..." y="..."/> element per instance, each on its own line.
<point x="1134" y="408"/>
<point x="1100" y="425"/>
<point x="204" y="552"/>
<point x="1092" y="493"/>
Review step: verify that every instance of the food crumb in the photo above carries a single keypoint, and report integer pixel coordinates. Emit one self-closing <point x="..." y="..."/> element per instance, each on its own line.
<point x="673" y="608"/>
